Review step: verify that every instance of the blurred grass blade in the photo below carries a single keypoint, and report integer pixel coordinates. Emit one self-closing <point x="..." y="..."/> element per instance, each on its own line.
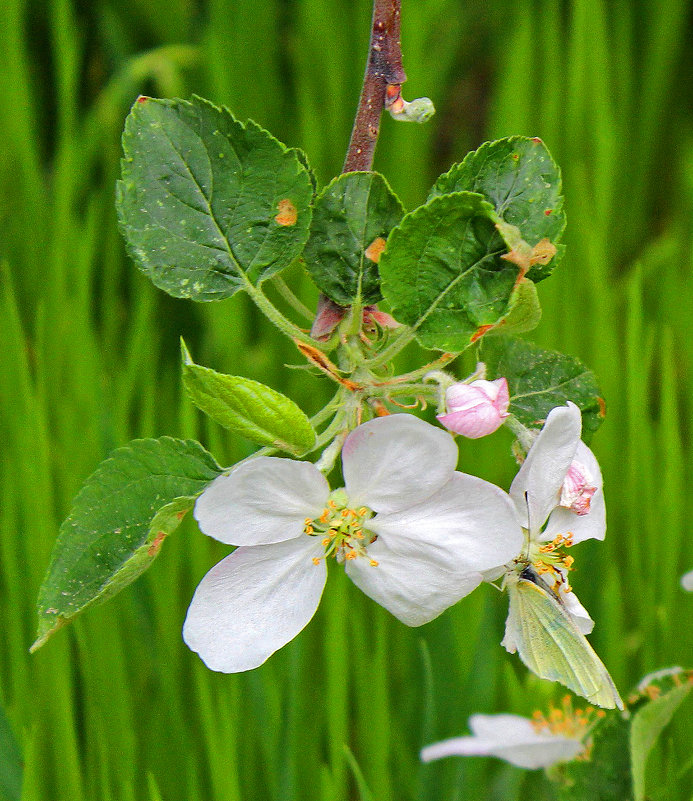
<point x="10" y="762"/>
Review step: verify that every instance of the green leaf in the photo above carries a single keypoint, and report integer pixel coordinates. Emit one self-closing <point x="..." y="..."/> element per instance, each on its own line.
<point x="648" y="723"/>
<point x="541" y="379"/>
<point x="519" y="177"/>
<point x="606" y="775"/>
<point x="10" y="762"/>
<point x="352" y="219"/>
<point x="207" y="204"/>
<point x="302" y="156"/>
<point x="524" y="311"/>
<point x="257" y="412"/>
<point x="442" y="272"/>
<point x="117" y="524"/>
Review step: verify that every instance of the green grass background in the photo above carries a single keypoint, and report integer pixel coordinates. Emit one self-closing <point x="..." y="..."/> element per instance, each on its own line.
<point x="117" y="708"/>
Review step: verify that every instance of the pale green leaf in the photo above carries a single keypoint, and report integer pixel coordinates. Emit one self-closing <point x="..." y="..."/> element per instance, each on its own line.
<point x="257" y="412"/>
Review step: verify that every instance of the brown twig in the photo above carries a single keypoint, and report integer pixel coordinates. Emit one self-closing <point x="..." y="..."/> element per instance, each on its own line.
<point x="383" y="70"/>
<point x="381" y="84"/>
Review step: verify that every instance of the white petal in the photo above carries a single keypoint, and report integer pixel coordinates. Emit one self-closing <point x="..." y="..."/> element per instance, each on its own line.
<point x="254" y="602"/>
<point x="577" y="612"/>
<point x="393" y="462"/>
<point x="583" y="527"/>
<point x="513" y="633"/>
<point x="413" y="587"/>
<point x="537" y="485"/>
<point x="508" y="737"/>
<point x="263" y="500"/>
<point x="687" y="581"/>
<point x="431" y="555"/>
<point x="469" y="524"/>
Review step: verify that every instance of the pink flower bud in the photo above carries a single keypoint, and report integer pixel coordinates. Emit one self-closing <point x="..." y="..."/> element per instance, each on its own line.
<point x="476" y="409"/>
<point x="578" y="489"/>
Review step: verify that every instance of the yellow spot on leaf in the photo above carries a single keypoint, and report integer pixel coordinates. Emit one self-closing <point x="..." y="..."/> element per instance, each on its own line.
<point x="287" y="213"/>
<point x="375" y="249"/>
<point x="542" y="252"/>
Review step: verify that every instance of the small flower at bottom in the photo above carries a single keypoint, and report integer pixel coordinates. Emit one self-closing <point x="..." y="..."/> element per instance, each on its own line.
<point x="476" y="409"/>
<point x="411" y="532"/>
<point x="540" y="742"/>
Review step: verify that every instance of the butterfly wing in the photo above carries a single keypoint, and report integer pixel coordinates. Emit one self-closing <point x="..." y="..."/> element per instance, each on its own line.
<point x="551" y="645"/>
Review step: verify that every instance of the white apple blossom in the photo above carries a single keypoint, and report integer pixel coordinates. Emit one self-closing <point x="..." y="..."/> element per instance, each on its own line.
<point x="411" y="532"/>
<point x="476" y="409"/>
<point x="537" y="742"/>
<point x="559" y="498"/>
<point x="687" y="581"/>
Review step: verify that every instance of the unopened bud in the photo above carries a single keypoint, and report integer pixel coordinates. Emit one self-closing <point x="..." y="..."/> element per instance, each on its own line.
<point x="476" y="409"/>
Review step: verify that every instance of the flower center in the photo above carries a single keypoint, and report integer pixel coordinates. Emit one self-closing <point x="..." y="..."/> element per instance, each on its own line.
<point x="550" y="562"/>
<point x="342" y="529"/>
<point x="565" y="721"/>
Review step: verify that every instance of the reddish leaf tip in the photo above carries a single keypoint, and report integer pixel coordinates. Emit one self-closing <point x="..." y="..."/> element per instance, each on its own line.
<point x="480" y="331"/>
<point x="156" y="544"/>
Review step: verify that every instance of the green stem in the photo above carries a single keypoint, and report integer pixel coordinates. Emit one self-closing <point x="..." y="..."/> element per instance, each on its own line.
<point x="270" y="311"/>
<point x="413" y="389"/>
<point x="285" y="291"/>
<point x="389" y="353"/>
<point x="329" y="456"/>
<point x="327" y="410"/>
<point x="420" y="372"/>
<point x="525" y="436"/>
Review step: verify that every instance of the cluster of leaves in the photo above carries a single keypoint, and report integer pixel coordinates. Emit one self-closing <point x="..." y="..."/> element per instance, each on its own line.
<point x="622" y="742"/>
<point x="210" y="206"/>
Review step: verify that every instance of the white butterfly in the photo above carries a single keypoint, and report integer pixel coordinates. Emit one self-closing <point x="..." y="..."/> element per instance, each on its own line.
<point x="546" y="638"/>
